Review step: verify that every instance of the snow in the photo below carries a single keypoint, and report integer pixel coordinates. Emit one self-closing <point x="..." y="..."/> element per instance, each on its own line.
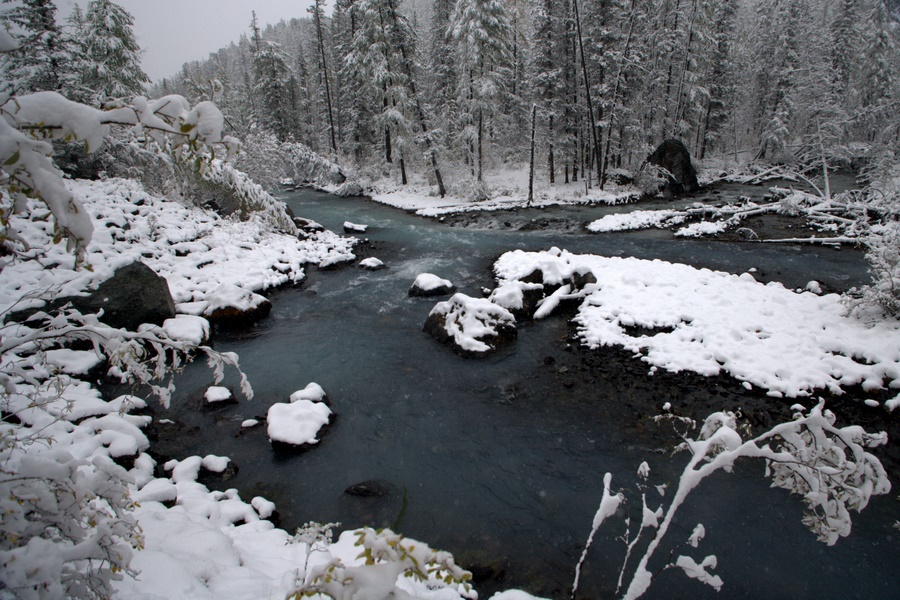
<point x="195" y="250"/>
<point x="788" y="343"/>
<point x="229" y="295"/>
<point x="249" y="423"/>
<point x="638" y="219"/>
<point x="469" y="320"/>
<point x="507" y="188"/>
<point x="428" y="282"/>
<point x="371" y="263"/>
<point x="312" y="392"/>
<point x="297" y="423"/>
<point x="217" y="393"/>
<point x="702" y="228"/>
<point x="73" y="362"/>
<point x="187" y="328"/>
<point x="355" y="227"/>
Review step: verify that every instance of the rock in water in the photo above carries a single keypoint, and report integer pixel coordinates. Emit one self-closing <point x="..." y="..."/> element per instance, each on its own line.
<point x="132" y="296"/>
<point x="370" y="488"/>
<point x="674" y="157"/>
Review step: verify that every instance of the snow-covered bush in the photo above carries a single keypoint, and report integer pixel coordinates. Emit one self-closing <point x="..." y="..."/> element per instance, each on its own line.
<point x="29" y="123"/>
<point x="829" y="466"/>
<point x="67" y="523"/>
<point x="269" y="160"/>
<point x="389" y="563"/>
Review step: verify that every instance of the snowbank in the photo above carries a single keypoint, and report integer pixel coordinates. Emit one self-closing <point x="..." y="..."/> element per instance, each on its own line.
<point x="638" y="219"/>
<point x="195" y="250"/>
<point x="679" y="318"/>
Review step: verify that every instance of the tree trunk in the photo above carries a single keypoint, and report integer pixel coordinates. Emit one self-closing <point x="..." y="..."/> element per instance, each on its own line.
<point x="587" y="90"/>
<point x="316" y="11"/>
<point x="531" y="164"/>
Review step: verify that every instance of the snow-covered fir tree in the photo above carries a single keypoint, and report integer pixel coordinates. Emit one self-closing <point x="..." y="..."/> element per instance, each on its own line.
<point x="113" y="53"/>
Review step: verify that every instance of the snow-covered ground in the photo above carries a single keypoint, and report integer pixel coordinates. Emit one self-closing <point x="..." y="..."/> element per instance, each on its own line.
<point x="507" y="190"/>
<point x="677" y="317"/>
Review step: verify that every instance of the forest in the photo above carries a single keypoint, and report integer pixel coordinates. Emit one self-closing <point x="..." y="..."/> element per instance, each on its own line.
<point x="414" y="87"/>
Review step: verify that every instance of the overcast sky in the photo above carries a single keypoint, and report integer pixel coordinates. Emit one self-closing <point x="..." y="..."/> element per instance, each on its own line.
<point x="173" y="32"/>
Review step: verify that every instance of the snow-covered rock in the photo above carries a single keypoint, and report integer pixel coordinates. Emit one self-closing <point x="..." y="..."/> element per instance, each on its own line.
<point x="217" y="394"/>
<point x="231" y="303"/>
<point x="472" y="326"/>
<point x="297" y="423"/>
<point x="637" y="219"/>
<point x="187" y="328"/>
<point x="427" y="284"/>
<point x="371" y="263"/>
<point x="354" y="227"/>
<point x="312" y="392"/>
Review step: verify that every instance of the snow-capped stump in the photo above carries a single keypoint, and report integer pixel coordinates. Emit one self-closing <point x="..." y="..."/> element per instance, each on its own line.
<point x="297" y="424"/>
<point x="427" y="284"/>
<point x="219" y="396"/>
<point x="354" y="227"/>
<point x="471" y="326"/>
<point x="371" y="263"/>
<point x="232" y="304"/>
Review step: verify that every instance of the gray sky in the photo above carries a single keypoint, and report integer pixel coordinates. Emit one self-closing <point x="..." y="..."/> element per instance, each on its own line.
<point x="173" y="32"/>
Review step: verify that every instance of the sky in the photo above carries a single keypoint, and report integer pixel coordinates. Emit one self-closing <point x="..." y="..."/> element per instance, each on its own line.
<point x="173" y="32"/>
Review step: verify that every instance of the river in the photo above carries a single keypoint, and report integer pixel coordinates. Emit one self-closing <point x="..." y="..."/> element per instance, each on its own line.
<point x="501" y="460"/>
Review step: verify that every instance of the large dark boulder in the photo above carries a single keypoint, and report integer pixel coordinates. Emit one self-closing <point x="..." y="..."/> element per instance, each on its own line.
<point x="674" y="157"/>
<point x="132" y="296"/>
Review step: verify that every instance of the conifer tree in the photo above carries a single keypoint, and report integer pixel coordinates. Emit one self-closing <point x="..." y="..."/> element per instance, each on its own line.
<point x="113" y="53"/>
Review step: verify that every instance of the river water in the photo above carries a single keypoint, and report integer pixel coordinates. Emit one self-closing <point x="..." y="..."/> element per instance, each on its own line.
<point x="501" y="460"/>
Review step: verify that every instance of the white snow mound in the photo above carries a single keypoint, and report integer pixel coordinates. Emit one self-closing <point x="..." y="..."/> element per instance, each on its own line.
<point x="297" y="423"/>
<point x="711" y="322"/>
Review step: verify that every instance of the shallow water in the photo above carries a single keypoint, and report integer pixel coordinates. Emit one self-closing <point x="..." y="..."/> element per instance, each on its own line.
<point x="484" y="457"/>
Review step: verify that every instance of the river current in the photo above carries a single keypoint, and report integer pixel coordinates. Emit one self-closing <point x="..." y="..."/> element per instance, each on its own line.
<point x="484" y="457"/>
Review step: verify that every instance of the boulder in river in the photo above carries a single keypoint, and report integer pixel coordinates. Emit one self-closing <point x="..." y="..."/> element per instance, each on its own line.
<point x="471" y="326"/>
<point x="232" y="304"/>
<point x="673" y="156"/>
<point x="132" y="296"/>
<point x="427" y="284"/>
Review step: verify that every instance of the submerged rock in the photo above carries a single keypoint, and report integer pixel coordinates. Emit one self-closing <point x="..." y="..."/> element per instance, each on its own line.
<point x="370" y="488"/>
<point x="673" y="156"/>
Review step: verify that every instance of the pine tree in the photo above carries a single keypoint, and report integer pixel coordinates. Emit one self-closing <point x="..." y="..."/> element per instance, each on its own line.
<point x="113" y="53"/>
<point x="40" y="63"/>
<point x="275" y="88"/>
<point x="482" y="35"/>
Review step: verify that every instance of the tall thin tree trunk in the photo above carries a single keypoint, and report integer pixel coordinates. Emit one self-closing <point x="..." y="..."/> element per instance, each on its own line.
<point x="550" y="162"/>
<point x="587" y="89"/>
<point x="420" y="112"/>
<point x="316" y="11"/>
<point x="531" y="163"/>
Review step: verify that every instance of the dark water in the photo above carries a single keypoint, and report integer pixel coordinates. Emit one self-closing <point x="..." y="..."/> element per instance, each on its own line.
<point x="489" y="458"/>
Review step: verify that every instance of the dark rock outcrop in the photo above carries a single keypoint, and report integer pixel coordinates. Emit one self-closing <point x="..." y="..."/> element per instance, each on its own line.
<point x="132" y="296"/>
<point x="674" y="157"/>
